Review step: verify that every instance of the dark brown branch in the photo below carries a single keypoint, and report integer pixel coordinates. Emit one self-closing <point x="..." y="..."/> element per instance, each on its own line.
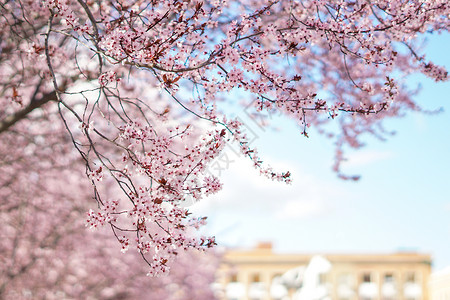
<point x="10" y="120"/>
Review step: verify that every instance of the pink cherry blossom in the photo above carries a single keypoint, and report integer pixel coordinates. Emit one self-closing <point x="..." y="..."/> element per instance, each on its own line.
<point x="134" y="93"/>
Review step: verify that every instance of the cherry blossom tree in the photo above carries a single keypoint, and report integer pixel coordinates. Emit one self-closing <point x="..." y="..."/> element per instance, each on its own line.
<point x="139" y="88"/>
<point x="45" y="250"/>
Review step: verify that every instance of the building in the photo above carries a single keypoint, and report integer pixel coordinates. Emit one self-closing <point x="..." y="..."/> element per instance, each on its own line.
<point x="440" y="285"/>
<point x="260" y="274"/>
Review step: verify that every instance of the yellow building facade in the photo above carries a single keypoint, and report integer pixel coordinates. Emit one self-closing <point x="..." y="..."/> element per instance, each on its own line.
<point x="260" y="274"/>
<point x="440" y="285"/>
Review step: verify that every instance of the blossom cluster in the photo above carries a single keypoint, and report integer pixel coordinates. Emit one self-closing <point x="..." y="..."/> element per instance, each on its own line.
<point x="179" y="64"/>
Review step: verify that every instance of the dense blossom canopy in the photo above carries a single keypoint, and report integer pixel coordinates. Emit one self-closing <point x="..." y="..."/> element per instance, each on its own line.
<point x="45" y="250"/>
<point x="137" y="88"/>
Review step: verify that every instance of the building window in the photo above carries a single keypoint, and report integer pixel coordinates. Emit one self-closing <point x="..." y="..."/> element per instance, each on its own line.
<point x="410" y="277"/>
<point x="366" y="277"/>
<point x="388" y="278"/>
<point x="255" y="278"/>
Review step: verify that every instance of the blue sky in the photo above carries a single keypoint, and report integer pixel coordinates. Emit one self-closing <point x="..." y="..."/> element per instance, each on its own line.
<point x="401" y="203"/>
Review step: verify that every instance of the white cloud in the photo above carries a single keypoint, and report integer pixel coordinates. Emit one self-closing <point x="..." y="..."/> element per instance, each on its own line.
<point x="247" y="193"/>
<point x="300" y="209"/>
<point x="367" y="157"/>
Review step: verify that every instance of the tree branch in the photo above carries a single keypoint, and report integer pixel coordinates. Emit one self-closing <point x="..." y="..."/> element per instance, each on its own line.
<point x="10" y="120"/>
